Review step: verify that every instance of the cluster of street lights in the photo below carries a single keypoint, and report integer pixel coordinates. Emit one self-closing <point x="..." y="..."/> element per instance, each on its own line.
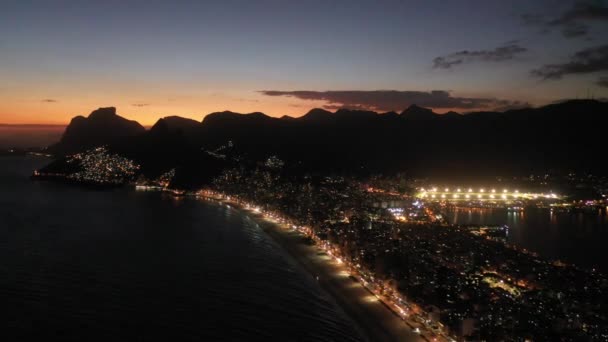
<point x="482" y="193"/>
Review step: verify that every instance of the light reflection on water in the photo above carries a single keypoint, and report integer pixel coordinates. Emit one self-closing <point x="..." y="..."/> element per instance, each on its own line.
<point x="573" y="237"/>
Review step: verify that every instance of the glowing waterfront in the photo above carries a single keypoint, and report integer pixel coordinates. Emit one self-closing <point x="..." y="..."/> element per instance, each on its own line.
<point x="410" y="313"/>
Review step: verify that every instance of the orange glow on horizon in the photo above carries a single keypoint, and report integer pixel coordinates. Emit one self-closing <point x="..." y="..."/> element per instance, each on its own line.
<point x="60" y="114"/>
<point x="145" y="112"/>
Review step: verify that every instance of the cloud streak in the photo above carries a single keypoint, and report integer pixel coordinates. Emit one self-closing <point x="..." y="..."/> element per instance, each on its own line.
<point x="140" y="104"/>
<point x="394" y="100"/>
<point x="582" y="11"/>
<point x="573" y="22"/>
<point x="602" y="82"/>
<point x="594" y="59"/>
<point x="499" y="54"/>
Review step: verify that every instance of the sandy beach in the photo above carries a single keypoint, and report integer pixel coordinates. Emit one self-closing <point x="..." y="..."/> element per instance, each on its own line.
<point x="376" y="321"/>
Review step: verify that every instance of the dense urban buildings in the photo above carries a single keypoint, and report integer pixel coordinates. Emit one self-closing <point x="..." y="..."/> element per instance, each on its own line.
<point x="458" y="282"/>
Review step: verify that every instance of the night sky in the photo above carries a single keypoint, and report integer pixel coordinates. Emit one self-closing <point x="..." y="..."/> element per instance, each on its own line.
<point x="152" y="59"/>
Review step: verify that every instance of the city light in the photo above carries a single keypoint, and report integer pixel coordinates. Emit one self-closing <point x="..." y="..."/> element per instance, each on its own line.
<point x="505" y="195"/>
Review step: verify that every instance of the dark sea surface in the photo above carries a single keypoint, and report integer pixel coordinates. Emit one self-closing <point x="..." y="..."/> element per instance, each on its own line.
<point x="579" y="238"/>
<point x="79" y="264"/>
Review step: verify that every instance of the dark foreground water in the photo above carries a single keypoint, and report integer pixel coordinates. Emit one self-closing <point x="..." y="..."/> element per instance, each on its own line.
<point x="579" y="238"/>
<point x="79" y="265"/>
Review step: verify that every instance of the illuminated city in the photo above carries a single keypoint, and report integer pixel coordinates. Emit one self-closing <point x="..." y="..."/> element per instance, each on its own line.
<point x="356" y="171"/>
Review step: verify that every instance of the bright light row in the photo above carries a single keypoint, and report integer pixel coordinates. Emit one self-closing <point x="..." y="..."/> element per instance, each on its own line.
<point x="503" y="196"/>
<point x="469" y="190"/>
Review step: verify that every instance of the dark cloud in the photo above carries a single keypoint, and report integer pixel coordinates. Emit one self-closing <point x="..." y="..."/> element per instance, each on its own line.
<point x="49" y="100"/>
<point x="140" y="104"/>
<point x="573" y="22"/>
<point x="585" y="61"/>
<point x="575" y="30"/>
<point x="582" y="11"/>
<point x="388" y="100"/>
<point x="510" y="105"/>
<point x="502" y="53"/>
<point x="603" y="82"/>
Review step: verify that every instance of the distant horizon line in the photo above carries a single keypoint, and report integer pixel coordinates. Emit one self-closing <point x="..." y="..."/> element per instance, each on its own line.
<point x="330" y="110"/>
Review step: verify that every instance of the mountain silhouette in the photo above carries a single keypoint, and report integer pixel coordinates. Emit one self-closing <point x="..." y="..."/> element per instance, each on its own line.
<point x="102" y="127"/>
<point x="566" y="136"/>
<point x="414" y="112"/>
<point x="188" y="128"/>
<point x="316" y="115"/>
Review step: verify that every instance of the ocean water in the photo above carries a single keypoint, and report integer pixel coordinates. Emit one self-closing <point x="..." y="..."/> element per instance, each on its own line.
<point x="79" y="264"/>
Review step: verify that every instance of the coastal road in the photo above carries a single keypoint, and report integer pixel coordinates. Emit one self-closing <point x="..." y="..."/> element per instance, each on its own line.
<point x="377" y="322"/>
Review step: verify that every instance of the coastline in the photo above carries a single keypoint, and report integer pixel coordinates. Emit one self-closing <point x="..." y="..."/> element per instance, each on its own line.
<point x="375" y="320"/>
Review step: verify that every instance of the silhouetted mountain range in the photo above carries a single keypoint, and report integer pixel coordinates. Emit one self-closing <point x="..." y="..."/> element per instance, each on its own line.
<point x="567" y="135"/>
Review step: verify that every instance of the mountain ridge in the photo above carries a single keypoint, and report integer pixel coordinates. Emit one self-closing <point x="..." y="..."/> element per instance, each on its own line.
<point x="564" y="135"/>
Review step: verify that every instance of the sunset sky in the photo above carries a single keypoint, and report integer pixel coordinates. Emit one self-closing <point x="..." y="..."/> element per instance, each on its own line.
<point x="152" y="58"/>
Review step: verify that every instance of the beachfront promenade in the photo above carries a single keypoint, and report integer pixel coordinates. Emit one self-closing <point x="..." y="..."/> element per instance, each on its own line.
<point x="378" y="322"/>
<point x="375" y="318"/>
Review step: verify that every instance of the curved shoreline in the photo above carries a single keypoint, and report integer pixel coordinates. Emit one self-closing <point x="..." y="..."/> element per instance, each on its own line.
<point x="376" y="321"/>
